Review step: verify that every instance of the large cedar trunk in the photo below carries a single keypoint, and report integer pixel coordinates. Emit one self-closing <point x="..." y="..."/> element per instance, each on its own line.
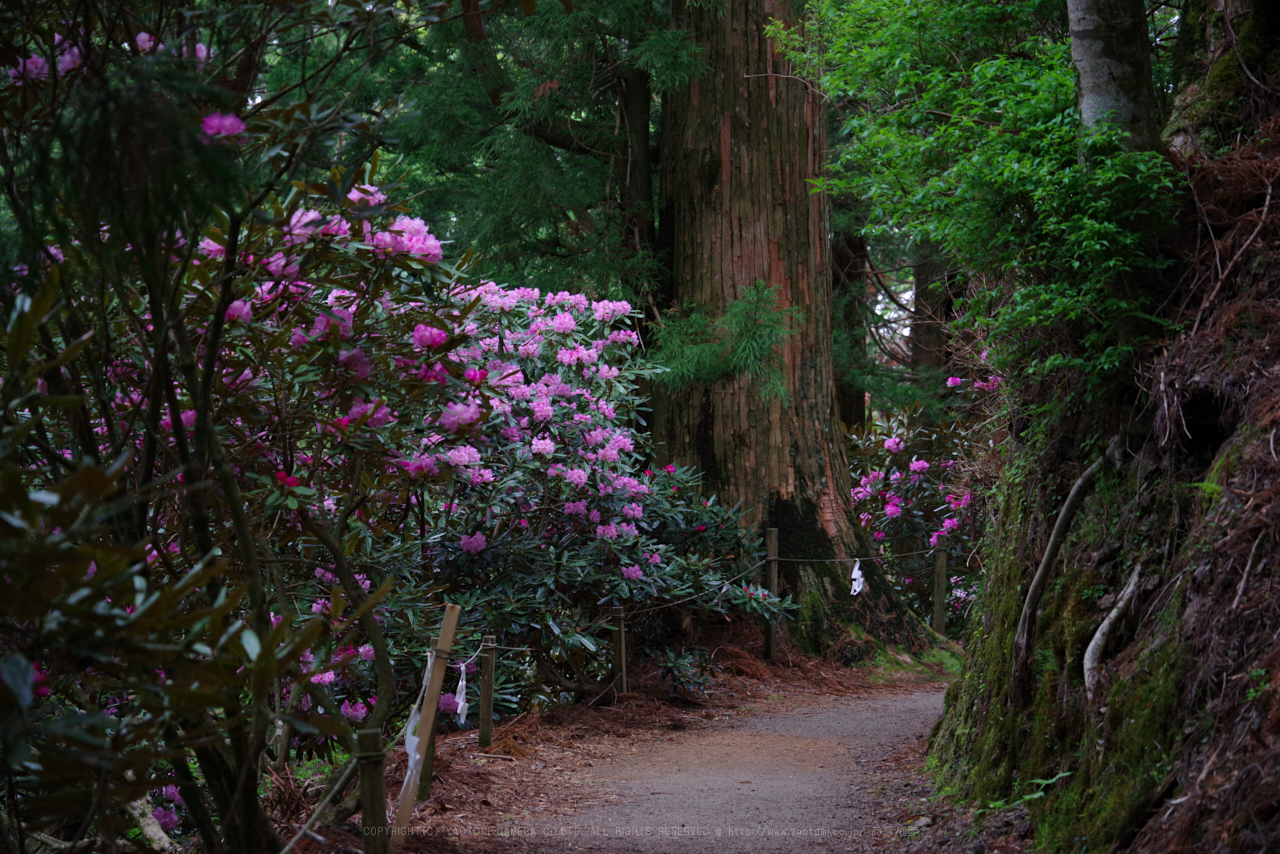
<point x="740" y="146"/>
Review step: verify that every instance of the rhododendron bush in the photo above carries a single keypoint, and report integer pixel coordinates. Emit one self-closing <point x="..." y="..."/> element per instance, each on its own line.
<point x="545" y="518"/>
<point x="911" y="506"/>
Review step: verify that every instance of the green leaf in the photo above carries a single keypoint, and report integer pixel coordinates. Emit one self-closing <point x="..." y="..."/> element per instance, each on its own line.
<point x="252" y="645"/>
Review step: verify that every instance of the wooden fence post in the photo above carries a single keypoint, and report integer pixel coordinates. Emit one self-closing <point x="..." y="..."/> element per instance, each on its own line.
<point x="771" y="583"/>
<point x="488" y="662"/>
<point x="373" y="792"/>
<point x="940" y="583"/>
<point x="428" y="761"/>
<point x="619" y="651"/>
<point x="427" y="718"/>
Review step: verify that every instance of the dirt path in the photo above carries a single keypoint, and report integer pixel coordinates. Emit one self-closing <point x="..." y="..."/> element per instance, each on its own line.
<point x="807" y="779"/>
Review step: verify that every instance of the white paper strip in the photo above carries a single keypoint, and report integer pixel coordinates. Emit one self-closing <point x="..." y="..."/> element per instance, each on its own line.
<point x="414" y="770"/>
<point x="856" y="578"/>
<point x="462" y="696"/>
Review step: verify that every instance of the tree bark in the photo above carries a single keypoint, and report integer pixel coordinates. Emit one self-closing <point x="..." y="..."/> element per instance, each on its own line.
<point x="740" y="147"/>
<point x="1111" y="51"/>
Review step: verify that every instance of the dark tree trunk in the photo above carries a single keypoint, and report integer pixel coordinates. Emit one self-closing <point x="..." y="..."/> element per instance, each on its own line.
<point x="933" y="310"/>
<point x="740" y="146"/>
<point x="849" y="267"/>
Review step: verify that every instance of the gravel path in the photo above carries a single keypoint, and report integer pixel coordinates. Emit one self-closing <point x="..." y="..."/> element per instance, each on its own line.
<point x="810" y="779"/>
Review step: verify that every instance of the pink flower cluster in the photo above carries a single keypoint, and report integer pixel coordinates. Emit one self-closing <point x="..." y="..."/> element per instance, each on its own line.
<point x="221" y="126"/>
<point x="891" y="493"/>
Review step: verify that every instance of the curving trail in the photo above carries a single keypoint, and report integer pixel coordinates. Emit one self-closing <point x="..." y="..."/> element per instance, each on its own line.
<point x="806" y="780"/>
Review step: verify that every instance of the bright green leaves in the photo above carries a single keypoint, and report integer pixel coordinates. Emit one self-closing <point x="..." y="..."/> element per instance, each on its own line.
<point x="960" y="131"/>
<point x="697" y="349"/>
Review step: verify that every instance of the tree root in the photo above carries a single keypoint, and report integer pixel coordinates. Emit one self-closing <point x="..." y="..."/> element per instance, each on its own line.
<point x="1098" y="646"/>
<point x="152" y="833"/>
<point x="1022" y="639"/>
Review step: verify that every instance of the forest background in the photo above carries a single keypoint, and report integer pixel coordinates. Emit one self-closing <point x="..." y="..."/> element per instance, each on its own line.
<point x="263" y="411"/>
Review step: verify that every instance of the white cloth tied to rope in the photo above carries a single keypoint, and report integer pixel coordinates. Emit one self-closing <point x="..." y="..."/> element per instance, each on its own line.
<point x="414" y="770"/>
<point x="461" y="696"/>
<point x="856" y="578"/>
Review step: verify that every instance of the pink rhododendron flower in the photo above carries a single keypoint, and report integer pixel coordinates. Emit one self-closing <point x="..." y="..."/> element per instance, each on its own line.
<point x="456" y="416"/>
<point x="919" y="465"/>
<point x="878" y="536"/>
<point x="302" y="225"/>
<point x="543" y="445"/>
<point x="212" y="250"/>
<point x="605" y="311"/>
<point x="893" y="444"/>
<point x="336" y="226"/>
<point x="464" y="455"/>
<point x="425" y="337"/>
<point x="240" y="311"/>
<point x="355" y="363"/>
<point x="473" y="544"/>
<point x="952" y="382"/>
<point x="379" y="415"/>
<point x="892" y="511"/>
<point x="188" y="417"/>
<point x="146" y="41"/>
<point x="632" y="573"/>
<point x="412" y="237"/>
<point x="201" y="54"/>
<point x="448" y="703"/>
<point x="358" y="712"/>
<point x="420" y="466"/>
<point x="366" y="194"/>
<point x="70" y="60"/>
<point x="29" y="70"/>
<point x="217" y="125"/>
<point x="282" y="266"/>
<point x="39" y="679"/>
<point x="950" y="524"/>
<point x="345" y="323"/>
<point x="167" y="819"/>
